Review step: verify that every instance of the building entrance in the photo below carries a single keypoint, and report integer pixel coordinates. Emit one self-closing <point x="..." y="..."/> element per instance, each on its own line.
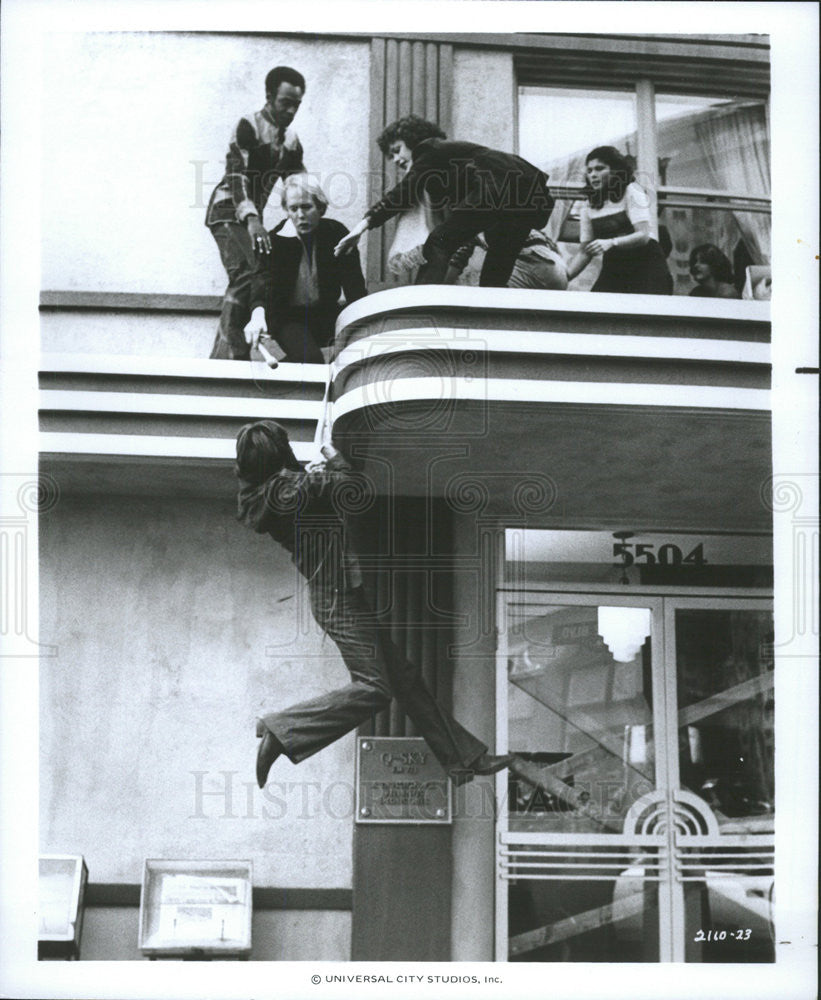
<point x="659" y="711"/>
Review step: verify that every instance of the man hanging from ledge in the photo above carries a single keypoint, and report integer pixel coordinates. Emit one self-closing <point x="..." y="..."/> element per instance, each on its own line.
<point x="303" y="511"/>
<point x="263" y="149"/>
<point x="482" y="190"/>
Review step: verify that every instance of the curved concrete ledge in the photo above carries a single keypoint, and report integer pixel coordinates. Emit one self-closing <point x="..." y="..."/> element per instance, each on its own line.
<point x="614" y="408"/>
<point x="537" y="302"/>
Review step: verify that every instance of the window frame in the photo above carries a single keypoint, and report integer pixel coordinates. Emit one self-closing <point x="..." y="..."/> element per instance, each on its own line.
<point x="669" y="196"/>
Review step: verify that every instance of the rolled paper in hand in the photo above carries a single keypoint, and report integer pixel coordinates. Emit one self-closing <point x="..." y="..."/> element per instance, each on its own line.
<point x="272" y="356"/>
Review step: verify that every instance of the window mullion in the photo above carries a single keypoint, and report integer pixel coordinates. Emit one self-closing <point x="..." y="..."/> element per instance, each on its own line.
<point x="647" y="142"/>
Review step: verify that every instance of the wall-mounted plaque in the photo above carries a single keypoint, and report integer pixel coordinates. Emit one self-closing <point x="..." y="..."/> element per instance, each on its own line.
<point x="398" y="780"/>
<point x="196" y="908"/>
<point x="62" y="884"/>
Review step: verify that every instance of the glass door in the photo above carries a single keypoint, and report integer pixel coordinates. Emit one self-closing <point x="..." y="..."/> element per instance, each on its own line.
<point x="721" y="655"/>
<point x="640" y="827"/>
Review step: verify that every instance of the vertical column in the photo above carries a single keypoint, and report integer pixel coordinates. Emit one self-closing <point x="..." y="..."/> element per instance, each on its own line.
<point x="376" y="162"/>
<point x="405" y="870"/>
<point x="648" y="158"/>
<point x="406" y="78"/>
<point x="474" y="702"/>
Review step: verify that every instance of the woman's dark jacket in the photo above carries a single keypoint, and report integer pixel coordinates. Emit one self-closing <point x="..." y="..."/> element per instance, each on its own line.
<point x="463" y="176"/>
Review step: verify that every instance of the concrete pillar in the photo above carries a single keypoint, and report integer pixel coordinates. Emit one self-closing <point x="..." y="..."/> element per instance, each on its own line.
<point x="472" y="904"/>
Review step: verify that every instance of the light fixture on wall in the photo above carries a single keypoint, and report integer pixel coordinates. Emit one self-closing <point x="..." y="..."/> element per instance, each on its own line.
<point x="624" y="631"/>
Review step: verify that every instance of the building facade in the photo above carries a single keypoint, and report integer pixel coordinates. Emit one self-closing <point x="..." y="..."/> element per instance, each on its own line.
<point x="572" y="527"/>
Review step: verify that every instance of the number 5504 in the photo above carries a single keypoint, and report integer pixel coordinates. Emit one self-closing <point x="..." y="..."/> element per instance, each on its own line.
<point x="667" y="554"/>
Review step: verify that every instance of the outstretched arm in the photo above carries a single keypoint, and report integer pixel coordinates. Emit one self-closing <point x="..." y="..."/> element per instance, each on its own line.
<point x="400" y="198"/>
<point x="578" y="262"/>
<point x="351" y="277"/>
<point x="349" y="242"/>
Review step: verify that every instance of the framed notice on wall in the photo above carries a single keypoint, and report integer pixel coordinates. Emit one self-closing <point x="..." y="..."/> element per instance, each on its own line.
<point x="398" y="780"/>
<point x="197" y="908"/>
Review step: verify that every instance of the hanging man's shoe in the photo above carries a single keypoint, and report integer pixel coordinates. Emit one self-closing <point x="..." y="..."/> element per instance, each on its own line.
<point x="486" y="764"/>
<point x="269" y="749"/>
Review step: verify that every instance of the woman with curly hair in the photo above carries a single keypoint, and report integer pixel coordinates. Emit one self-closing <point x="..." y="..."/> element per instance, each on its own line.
<point x="712" y="273"/>
<point x="615" y="225"/>
<point x="482" y="190"/>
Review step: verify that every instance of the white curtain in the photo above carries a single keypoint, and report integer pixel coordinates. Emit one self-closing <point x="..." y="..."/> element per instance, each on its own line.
<point x="736" y="149"/>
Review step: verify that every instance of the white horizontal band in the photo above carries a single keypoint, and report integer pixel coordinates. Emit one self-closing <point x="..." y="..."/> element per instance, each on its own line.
<point x="538" y="300"/>
<point x="155" y="446"/>
<point x="206" y="368"/>
<point x="435" y="391"/>
<point x="174" y="404"/>
<point x="435" y="338"/>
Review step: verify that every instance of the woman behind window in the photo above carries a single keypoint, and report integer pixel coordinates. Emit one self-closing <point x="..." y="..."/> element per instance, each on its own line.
<point x="712" y="273"/>
<point x="615" y="225"/>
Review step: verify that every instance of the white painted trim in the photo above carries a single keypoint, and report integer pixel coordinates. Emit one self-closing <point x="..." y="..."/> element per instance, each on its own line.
<point x="552" y="343"/>
<point x="173" y="404"/>
<point x="675" y="190"/>
<point x="152" y="446"/>
<point x="632" y="394"/>
<point x="205" y="368"/>
<point x="537" y="300"/>
<point x="651" y="590"/>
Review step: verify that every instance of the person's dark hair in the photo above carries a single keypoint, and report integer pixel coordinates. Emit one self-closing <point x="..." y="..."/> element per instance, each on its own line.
<point x="720" y="266"/>
<point x="263" y="450"/>
<point x="622" y="173"/>
<point x="411" y="130"/>
<point x="283" y="74"/>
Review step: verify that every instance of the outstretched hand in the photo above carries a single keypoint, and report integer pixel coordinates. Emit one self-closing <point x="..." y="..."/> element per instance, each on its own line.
<point x="598" y="247"/>
<point x="255" y="327"/>
<point x="260" y="240"/>
<point x="349" y="241"/>
<point x="346" y="244"/>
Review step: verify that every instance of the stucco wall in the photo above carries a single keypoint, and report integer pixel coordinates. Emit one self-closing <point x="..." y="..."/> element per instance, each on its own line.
<point x="157" y="335"/>
<point x="174" y="628"/>
<point x="135" y="129"/>
<point x="484" y="97"/>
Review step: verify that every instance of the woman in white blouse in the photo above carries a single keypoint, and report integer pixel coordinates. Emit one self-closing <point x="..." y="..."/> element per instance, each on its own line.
<point x="615" y="225"/>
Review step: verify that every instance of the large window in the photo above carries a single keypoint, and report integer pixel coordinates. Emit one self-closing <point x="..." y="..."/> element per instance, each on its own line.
<point x="714" y="180"/>
<point x="704" y="161"/>
<point x="558" y="126"/>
